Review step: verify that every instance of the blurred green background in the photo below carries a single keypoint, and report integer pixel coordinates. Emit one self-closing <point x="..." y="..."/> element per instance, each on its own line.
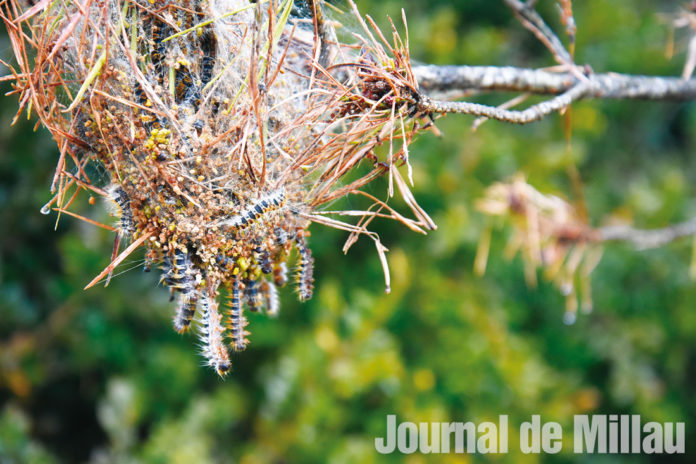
<point x="100" y="376"/>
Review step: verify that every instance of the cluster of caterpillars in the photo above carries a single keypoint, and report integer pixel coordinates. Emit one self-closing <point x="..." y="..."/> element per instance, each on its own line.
<point x="250" y="283"/>
<point x="234" y="244"/>
<point x="221" y="137"/>
<point x="249" y="289"/>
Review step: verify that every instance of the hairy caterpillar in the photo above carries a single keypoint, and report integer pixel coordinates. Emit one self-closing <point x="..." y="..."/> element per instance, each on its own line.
<point x="270" y="296"/>
<point x="159" y="50"/>
<point x="183" y="85"/>
<point x="281" y="236"/>
<point x="236" y="321"/>
<point x="269" y="202"/>
<point x="305" y="270"/>
<point x="266" y="263"/>
<point x="178" y="272"/>
<point x="211" y="335"/>
<point x="179" y="275"/>
<point x="185" y="310"/>
<point x="280" y="274"/>
<point x="208" y="44"/>
<point x="120" y="197"/>
<point x="251" y="295"/>
<point x="225" y="262"/>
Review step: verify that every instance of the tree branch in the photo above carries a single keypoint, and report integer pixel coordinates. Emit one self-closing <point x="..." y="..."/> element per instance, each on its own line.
<point x="534" y="22"/>
<point x="533" y="113"/>
<point x="653" y="238"/>
<point x="434" y="79"/>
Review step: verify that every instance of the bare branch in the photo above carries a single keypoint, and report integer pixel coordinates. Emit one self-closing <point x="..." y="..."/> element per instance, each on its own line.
<point x="565" y="8"/>
<point x="532" y="21"/>
<point x="505" y="106"/>
<point x="434" y="79"/>
<point x="644" y="239"/>
<point x="570" y="85"/>
<point x="690" y="63"/>
<point x="531" y="114"/>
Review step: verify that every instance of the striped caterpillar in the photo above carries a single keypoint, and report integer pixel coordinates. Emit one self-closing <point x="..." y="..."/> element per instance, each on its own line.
<point x="214" y="349"/>
<point x="281" y="236"/>
<point x="280" y="274"/>
<point x="224" y="262"/>
<point x="305" y="270"/>
<point x="252" y="297"/>
<point x="270" y="296"/>
<point x="263" y="259"/>
<point x="185" y="311"/>
<point x="120" y="197"/>
<point x="236" y="320"/>
<point x="266" y="263"/>
<point x="269" y="202"/>
<point x="158" y="52"/>
<point x="178" y="272"/>
<point x="179" y="276"/>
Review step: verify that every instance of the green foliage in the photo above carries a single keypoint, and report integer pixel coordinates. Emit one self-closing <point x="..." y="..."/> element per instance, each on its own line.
<point x="100" y="376"/>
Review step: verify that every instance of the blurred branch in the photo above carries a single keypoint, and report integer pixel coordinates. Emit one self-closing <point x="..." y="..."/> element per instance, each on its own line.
<point x="549" y="234"/>
<point x="433" y="79"/>
<point x="534" y="22"/>
<point x="565" y="8"/>
<point x="653" y="238"/>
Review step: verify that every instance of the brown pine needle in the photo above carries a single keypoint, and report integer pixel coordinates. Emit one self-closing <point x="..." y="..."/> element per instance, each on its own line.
<point x="120" y="258"/>
<point x="88" y="220"/>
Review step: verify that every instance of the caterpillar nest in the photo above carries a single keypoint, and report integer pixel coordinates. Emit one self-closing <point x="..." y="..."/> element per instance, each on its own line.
<point x="224" y="127"/>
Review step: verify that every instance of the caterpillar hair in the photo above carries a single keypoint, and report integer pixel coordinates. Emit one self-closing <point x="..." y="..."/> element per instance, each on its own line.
<point x="211" y="335"/>
<point x="281" y="236"/>
<point x="270" y="296"/>
<point x="251" y="295"/>
<point x="185" y="311"/>
<point x="305" y="270"/>
<point x="224" y="262"/>
<point x="178" y="272"/>
<point x="120" y="197"/>
<point x="280" y="274"/>
<point x="236" y="321"/>
<point x="266" y="263"/>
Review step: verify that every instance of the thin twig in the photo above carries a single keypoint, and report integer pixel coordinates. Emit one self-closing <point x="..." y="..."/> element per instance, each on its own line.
<point x="120" y="258"/>
<point x="532" y="21"/>
<point x="531" y="114"/>
<point x="505" y="106"/>
<point x="650" y="238"/>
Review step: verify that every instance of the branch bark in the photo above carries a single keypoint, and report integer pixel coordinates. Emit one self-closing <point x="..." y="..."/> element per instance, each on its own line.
<point x="531" y="114"/>
<point x="652" y="238"/>
<point x="434" y="79"/>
